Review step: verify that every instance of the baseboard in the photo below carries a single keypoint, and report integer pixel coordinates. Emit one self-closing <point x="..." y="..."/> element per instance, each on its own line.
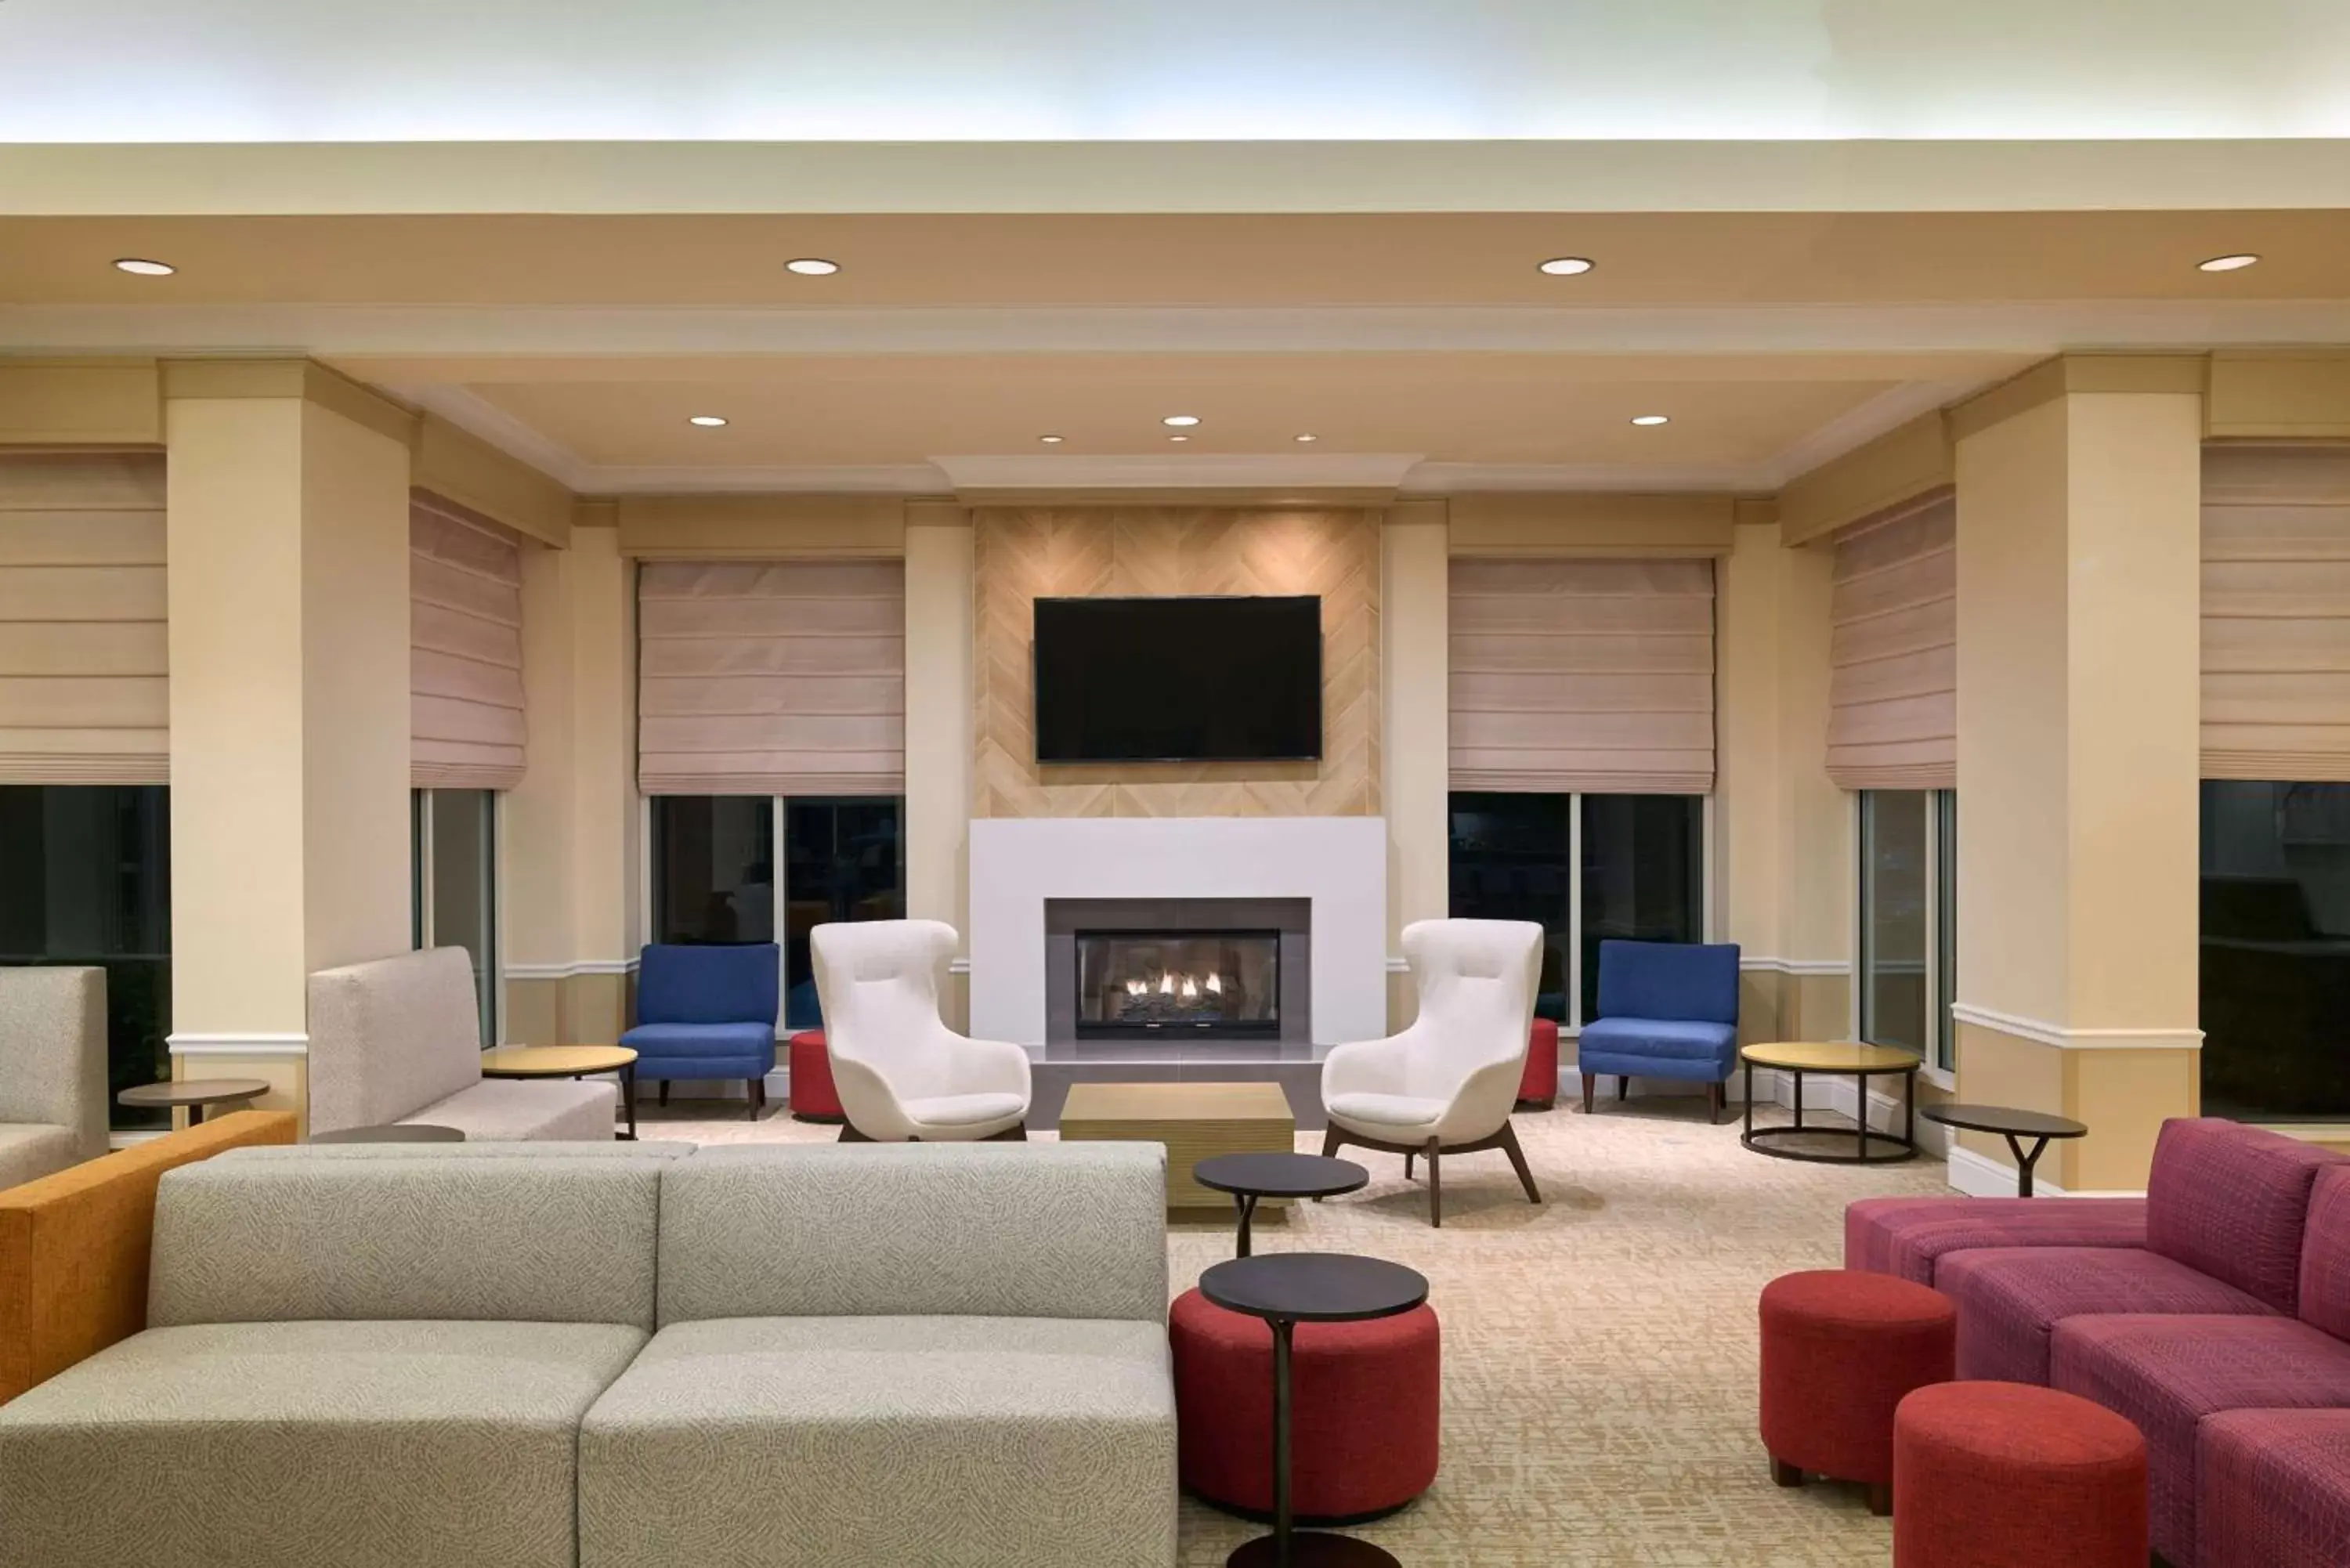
<point x="1979" y="1176"/>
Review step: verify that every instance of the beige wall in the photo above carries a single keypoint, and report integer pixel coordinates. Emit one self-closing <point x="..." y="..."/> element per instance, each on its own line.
<point x="938" y="697"/>
<point x="1022" y="554"/>
<point x="1415" y="718"/>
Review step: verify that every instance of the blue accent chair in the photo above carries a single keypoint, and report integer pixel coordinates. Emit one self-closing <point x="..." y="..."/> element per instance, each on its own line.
<point x="1666" y="1010"/>
<point x="707" y="1012"/>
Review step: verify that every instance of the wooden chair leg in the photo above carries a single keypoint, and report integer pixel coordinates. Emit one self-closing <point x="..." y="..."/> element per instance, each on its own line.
<point x="1435" y="1186"/>
<point x="1406" y="1168"/>
<point x="755" y="1093"/>
<point x="1009" y="1135"/>
<point x="1717" y="1096"/>
<point x="1518" y="1162"/>
<point x="848" y="1134"/>
<point x="1623" y="1086"/>
<point x="1587" y="1093"/>
<point x="1333" y="1140"/>
<point x="1880" y="1498"/>
<point x="664" y="1091"/>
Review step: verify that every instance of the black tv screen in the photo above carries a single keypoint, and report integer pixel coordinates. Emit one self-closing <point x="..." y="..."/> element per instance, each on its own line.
<point x="1178" y="680"/>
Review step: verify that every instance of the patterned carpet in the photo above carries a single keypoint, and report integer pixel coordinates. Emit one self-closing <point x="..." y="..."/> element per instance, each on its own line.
<point x="1598" y="1350"/>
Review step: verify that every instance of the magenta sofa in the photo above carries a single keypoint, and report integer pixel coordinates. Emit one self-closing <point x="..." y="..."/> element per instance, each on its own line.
<point x="2214" y="1315"/>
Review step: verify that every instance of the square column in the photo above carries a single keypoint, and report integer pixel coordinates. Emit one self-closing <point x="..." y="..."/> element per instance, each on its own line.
<point x="288" y="533"/>
<point x="2079" y="699"/>
<point x="939" y="650"/>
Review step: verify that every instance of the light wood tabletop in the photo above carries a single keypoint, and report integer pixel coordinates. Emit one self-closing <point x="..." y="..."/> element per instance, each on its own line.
<point x="555" y="1061"/>
<point x="1830" y="1056"/>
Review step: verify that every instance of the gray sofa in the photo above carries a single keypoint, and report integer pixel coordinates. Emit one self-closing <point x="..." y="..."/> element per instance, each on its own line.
<point x="912" y="1355"/>
<point x="399" y="1040"/>
<point x="52" y="1069"/>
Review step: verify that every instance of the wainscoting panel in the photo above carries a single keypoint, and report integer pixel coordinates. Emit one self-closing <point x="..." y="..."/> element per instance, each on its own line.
<point x="1023" y="554"/>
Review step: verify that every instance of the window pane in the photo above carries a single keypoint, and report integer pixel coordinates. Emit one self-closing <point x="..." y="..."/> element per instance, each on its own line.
<point x="85" y="878"/>
<point x="713" y="859"/>
<point x="2276" y="950"/>
<point x="1509" y="862"/>
<point x="843" y="861"/>
<point x="1946" y="926"/>
<point x="1643" y="875"/>
<point x="464" y="889"/>
<point x="1893" y="1002"/>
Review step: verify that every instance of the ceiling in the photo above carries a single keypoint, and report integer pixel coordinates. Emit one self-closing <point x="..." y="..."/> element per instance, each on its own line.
<point x="298" y="70"/>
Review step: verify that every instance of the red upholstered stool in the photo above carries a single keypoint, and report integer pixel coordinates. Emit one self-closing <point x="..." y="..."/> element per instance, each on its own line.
<point x="813" y="1100"/>
<point x="2004" y="1475"/>
<point x="1839" y="1352"/>
<point x="1540" y="1086"/>
<point x="1363" y="1410"/>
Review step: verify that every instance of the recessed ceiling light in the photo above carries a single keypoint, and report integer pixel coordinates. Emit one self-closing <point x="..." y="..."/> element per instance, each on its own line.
<point x="1178" y="437"/>
<point x="1305" y="436"/>
<point x="707" y="421"/>
<point x="1565" y="267"/>
<point x="812" y="267"/>
<point x="144" y="267"/>
<point x="1651" y="419"/>
<point x="1050" y="441"/>
<point x="1180" y="419"/>
<point x="2226" y="264"/>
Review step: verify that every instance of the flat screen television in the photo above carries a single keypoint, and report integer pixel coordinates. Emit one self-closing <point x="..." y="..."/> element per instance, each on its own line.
<point x="1178" y="680"/>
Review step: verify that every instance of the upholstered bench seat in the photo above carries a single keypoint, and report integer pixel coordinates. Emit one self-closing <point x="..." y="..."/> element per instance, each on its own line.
<point x="1907" y="1236"/>
<point x="31" y="1150"/>
<point x="755" y="1438"/>
<point x="2273" y="1489"/>
<point x="357" y="1421"/>
<point x="701" y="1050"/>
<point x="499" y="1109"/>
<point x="2010" y="1299"/>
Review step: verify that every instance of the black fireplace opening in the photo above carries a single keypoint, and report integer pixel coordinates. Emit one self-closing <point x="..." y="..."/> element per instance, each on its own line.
<point x="1136" y="985"/>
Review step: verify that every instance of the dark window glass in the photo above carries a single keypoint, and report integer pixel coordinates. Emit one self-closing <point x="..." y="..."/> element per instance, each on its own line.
<point x="713" y="859"/>
<point x="1643" y="875"/>
<point x="842" y="860"/>
<point x="1894" y="982"/>
<point x="1509" y="861"/>
<point x="2275" y="975"/>
<point x="455" y="884"/>
<point x="85" y="878"/>
<point x="1946" y="925"/>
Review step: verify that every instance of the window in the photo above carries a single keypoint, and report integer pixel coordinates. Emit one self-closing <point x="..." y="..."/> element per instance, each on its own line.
<point x="1585" y="867"/>
<point x="2276" y="973"/>
<point x="85" y="879"/>
<point x="1908" y="920"/>
<point x="714" y="874"/>
<point x="454" y="901"/>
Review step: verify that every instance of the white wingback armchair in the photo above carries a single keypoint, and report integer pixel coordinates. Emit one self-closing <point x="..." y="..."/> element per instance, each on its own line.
<point x="1446" y="1084"/>
<point x="901" y="1073"/>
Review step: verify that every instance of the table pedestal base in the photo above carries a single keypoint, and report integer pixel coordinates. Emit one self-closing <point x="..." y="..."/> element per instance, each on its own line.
<point x="1311" y="1549"/>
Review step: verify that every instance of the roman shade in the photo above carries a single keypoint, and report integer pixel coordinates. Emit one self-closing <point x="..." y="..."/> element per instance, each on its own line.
<point x="771" y="678"/>
<point x="2276" y="614"/>
<point x="1582" y="675"/>
<point x="85" y="661"/>
<point x="1893" y="649"/>
<point x="465" y="615"/>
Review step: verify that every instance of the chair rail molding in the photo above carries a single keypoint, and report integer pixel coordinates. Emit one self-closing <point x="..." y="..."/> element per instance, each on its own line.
<point x="2056" y="1034"/>
<point x="1794" y="966"/>
<point x="237" y="1044"/>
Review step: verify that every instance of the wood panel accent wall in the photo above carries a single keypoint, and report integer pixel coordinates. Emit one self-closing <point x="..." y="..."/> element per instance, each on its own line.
<point x="1023" y="553"/>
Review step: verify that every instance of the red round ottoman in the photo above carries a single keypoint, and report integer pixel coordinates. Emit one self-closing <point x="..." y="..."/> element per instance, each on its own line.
<point x="1363" y="1414"/>
<point x="813" y="1100"/>
<point x="1840" y="1349"/>
<point x="2004" y="1475"/>
<point x="1540" y="1084"/>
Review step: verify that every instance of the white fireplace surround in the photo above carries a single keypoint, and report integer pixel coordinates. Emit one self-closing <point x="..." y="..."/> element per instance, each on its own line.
<point x="1339" y="862"/>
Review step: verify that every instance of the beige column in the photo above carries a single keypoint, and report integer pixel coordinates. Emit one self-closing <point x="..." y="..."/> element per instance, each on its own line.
<point x="1748" y="860"/>
<point x="606" y="854"/>
<point x="939" y="654"/>
<point x="287" y="531"/>
<point x="2078" y="704"/>
<point x="1416" y="719"/>
<point x="539" y="945"/>
<point x="1817" y="888"/>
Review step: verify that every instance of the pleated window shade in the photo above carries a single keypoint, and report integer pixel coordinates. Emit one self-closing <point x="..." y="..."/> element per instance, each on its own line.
<point x="1893" y="651"/>
<point x="771" y="678"/>
<point x="1582" y="675"/>
<point x="84" y="656"/>
<point x="2276" y="614"/>
<point x="466" y="727"/>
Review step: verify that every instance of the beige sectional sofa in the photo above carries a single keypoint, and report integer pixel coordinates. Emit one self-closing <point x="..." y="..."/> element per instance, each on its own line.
<point x="535" y="1356"/>
<point x="52" y="1069"/>
<point x="399" y="1040"/>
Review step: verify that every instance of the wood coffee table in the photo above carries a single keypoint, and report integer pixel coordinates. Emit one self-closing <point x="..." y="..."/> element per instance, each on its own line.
<point x="569" y="1062"/>
<point x="1862" y="1062"/>
<point x="1195" y="1121"/>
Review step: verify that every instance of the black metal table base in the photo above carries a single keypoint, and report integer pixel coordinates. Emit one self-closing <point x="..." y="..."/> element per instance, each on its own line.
<point x="1311" y="1549"/>
<point x="2025" y="1162"/>
<point x="1901" y="1146"/>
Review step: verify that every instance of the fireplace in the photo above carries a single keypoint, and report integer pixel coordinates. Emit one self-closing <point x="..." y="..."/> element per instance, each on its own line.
<point x="1138" y="985"/>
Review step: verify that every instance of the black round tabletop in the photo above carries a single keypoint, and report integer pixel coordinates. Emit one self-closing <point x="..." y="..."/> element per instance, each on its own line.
<point x="1281" y="1174"/>
<point x="392" y="1132"/>
<point x="1314" y="1287"/>
<point x="192" y="1092"/>
<point x="2004" y="1120"/>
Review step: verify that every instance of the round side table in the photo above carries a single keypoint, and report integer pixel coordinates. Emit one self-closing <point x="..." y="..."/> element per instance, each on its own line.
<point x="1286" y="1289"/>
<point x="193" y="1095"/>
<point x="392" y="1132"/>
<point x="569" y="1062"/>
<point x="2014" y="1126"/>
<point x="1249" y="1177"/>
<point x="1841" y="1057"/>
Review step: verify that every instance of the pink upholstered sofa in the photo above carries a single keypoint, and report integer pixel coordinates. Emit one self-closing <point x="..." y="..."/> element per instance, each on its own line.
<point x="2213" y="1314"/>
